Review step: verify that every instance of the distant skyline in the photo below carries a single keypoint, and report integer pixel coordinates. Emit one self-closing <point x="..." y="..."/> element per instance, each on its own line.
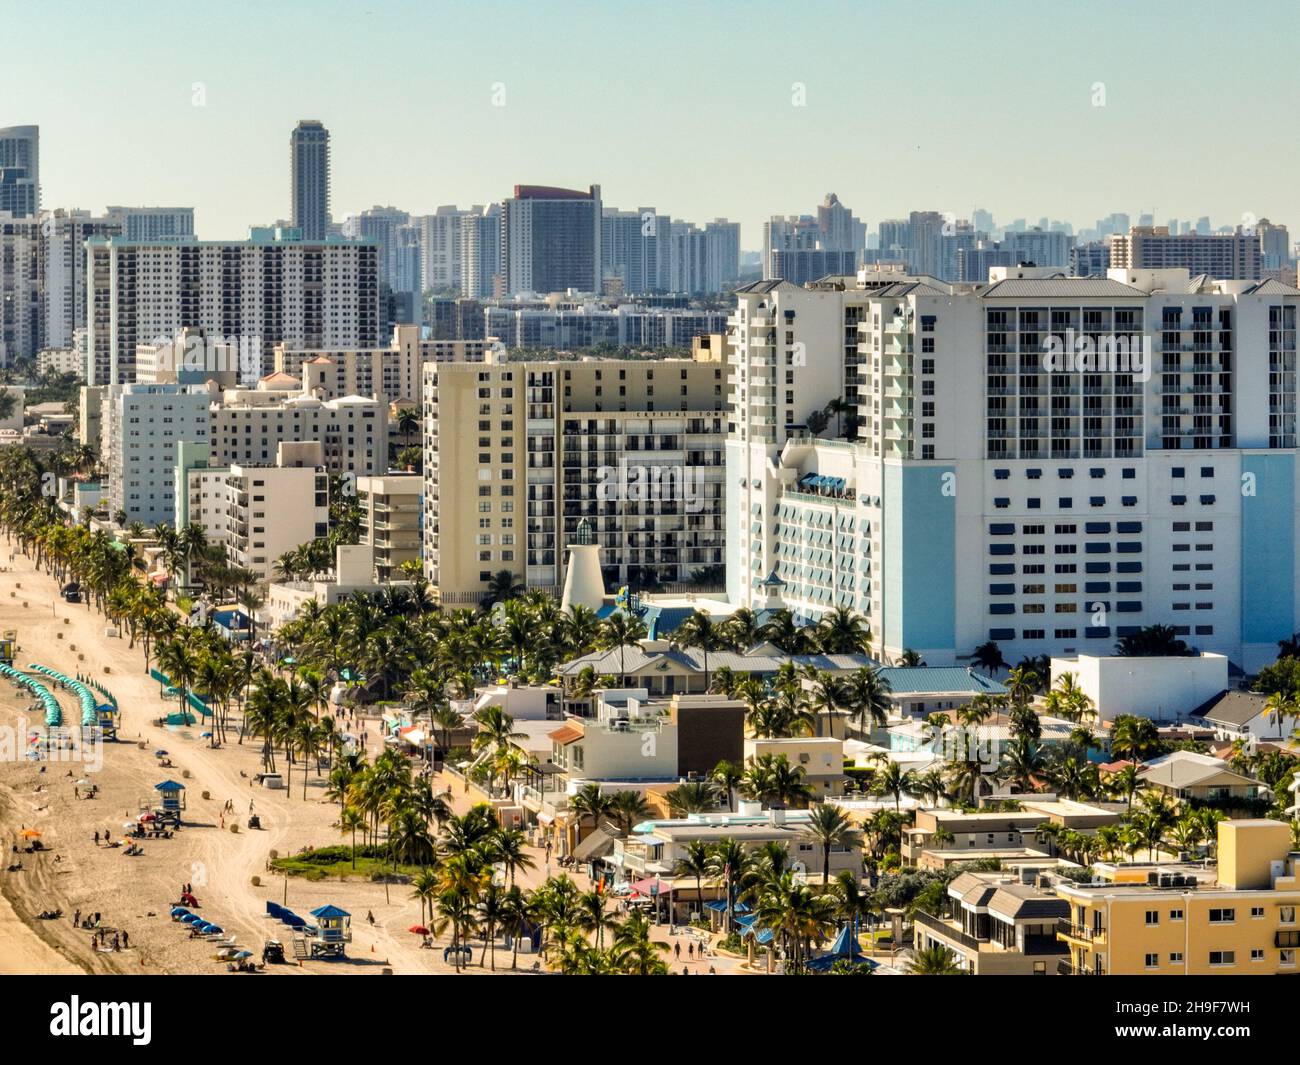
<point x="683" y="107"/>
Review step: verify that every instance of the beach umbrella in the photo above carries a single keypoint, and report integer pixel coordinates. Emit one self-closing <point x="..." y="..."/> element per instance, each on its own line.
<point x="148" y="817"/>
<point x="243" y="954"/>
<point x="160" y="754"/>
<point x="206" y="735"/>
<point x="179" y="911"/>
<point x="29" y="833"/>
<point x="418" y="929"/>
<point x="215" y="929"/>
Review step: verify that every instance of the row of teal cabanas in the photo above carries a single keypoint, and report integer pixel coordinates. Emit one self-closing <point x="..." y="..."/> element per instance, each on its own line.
<point x="53" y="712"/>
<point x="89" y="705"/>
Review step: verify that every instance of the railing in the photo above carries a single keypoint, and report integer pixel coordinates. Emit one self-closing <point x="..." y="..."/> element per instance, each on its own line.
<point x="1081" y="932"/>
<point x="943" y="928"/>
<point x="1064" y="968"/>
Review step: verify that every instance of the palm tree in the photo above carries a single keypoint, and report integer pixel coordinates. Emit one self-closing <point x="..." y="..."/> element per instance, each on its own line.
<point x="590" y="801"/>
<point x="349" y="821"/>
<point x="491" y="911"/>
<point x="935" y="961"/>
<point x="842" y="632"/>
<point x="829" y="827"/>
<point x="592" y="917"/>
<point x="627" y="808"/>
<point x="634" y="952"/>
<point x="771" y="778"/>
<point x="867" y="696"/>
<point x="617" y="631"/>
<point x="692" y="797"/>
<point x="891" y="779"/>
<point x="502" y="587"/>
<point x="1022" y="761"/>
<point x="989" y="657"/>
<point x="699" y="631"/>
<point x="696" y="861"/>
<point x="515" y="912"/>
<point x="728" y="776"/>
<point x="1280" y="706"/>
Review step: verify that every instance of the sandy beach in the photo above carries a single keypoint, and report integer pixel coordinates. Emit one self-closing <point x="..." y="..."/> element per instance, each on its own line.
<point x="135" y="893"/>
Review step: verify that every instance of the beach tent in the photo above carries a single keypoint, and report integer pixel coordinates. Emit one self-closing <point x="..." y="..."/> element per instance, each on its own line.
<point x="845" y="948"/>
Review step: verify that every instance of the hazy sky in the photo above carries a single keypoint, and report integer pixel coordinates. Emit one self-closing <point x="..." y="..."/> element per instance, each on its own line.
<point x="683" y="106"/>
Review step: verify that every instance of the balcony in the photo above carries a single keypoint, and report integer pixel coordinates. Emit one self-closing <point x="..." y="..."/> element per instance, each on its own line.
<point x="948" y="931"/>
<point x="1064" y="968"/>
<point x="1077" y="933"/>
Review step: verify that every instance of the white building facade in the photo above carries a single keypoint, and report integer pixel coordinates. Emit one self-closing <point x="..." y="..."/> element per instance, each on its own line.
<point x="994" y="490"/>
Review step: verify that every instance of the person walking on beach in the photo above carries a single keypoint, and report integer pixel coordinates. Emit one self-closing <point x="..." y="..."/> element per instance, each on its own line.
<point x="96" y="837"/>
<point x="677" y="951"/>
<point x="126" y="940"/>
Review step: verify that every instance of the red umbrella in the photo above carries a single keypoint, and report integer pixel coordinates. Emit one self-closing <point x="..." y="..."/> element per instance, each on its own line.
<point x="418" y="929"/>
<point x="148" y="817"/>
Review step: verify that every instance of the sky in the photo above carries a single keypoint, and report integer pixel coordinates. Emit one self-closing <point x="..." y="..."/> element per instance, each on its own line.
<point x="700" y="109"/>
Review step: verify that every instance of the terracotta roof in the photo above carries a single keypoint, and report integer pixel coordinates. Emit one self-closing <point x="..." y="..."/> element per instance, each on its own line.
<point x="566" y="735"/>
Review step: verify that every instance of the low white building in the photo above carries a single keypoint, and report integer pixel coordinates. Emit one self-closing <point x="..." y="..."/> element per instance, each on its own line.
<point x="1165" y="689"/>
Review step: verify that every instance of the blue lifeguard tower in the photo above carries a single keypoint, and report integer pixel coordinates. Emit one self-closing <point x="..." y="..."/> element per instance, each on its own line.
<point x="106" y="715"/>
<point x="331" y="935"/>
<point x="173" y="802"/>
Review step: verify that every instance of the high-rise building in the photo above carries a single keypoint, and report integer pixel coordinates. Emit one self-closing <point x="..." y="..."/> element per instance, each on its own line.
<point x="721" y="255"/>
<point x="550" y="240"/>
<point x="479" y="274"/>
<point x="633" y="447"/>
<point x="839" y="229"/>
<point x="20" y="288"/>
<point x="1047" y="502"/>
<point x="153" y="223"/>
<point x="143" y="424"/>
<point x="1234" y="255"/>
<point x="787" y="234"/>
<point x="440" y="249"/>
<point x="1274" y="245"/>
<point x="635" y="249"/>
<point x="309" y="157"/>
<point x="63" y="271"/>
<point x="20" y="170"/>
<point x="1089" y="260"/>
<point x="267" y="290"/>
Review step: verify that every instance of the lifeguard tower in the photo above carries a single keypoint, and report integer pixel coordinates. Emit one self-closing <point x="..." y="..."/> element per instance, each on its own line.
<point x="172" y="801"/>
<point x="329" y="938"/>
<point x="106" y="715"/>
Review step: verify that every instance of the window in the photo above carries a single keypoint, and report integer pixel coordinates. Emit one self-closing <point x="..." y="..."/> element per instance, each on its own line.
<point x="1257" y="954"/>
<point x="1153" y="918"/>
<point x="1153" y="961"/>
<point x="1223" y="916"/>
<point x="1175" y="915"/>
<point x="1286" y="914"/>
<point x="1176" y="958"/>
<point x="1223" y="957"/>
<point x="1257" y="912"/>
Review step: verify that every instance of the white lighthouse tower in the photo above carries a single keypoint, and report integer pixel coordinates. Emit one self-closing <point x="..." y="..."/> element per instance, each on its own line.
<point x="583" y="583"/>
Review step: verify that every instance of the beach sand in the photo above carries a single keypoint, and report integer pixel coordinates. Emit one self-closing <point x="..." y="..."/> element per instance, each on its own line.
<point x="136" y="893"/>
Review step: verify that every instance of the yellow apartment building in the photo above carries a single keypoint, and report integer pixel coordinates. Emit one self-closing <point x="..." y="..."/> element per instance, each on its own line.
<point x="1188" y="918"/>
